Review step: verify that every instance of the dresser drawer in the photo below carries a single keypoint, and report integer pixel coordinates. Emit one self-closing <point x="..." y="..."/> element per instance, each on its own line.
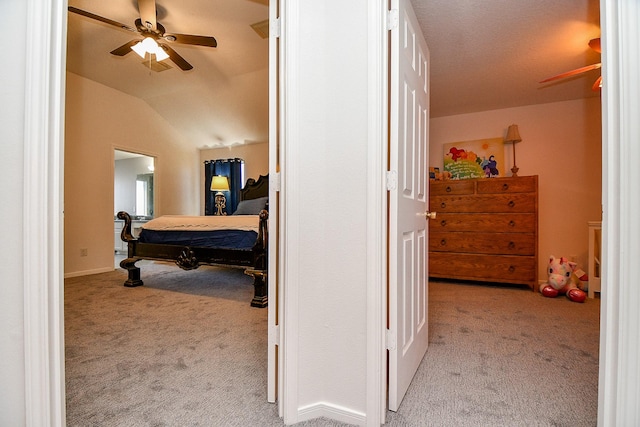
<point x="501" y="269"/>
<point x="495" y="222"/>
<point x="525" y="184"/>
<point x="483" y="243"/>
<point x="518" y="202"/>
<point x="452" y="187"/>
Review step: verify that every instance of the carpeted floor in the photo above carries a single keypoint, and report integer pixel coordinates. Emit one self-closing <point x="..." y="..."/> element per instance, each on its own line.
<point x="181" y="350"/>
<point x="186" y="349"/>
<point x="505" y="357"/>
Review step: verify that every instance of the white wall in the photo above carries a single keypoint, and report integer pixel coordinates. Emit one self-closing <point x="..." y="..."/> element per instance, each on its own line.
<point x="561" y="143"/>
<point x="325" y="191"/>
<point x="98" y="120"/>
<point x="12" y="92"/>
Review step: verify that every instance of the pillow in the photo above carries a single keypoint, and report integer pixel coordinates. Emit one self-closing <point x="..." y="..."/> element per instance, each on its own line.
<point x="251" y="207"/>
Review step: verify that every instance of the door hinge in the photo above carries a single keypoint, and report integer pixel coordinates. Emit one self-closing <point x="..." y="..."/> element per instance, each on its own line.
<point x="392" y="19"/>
<point x="274" y="181"/>
<point x="275" y="27"/>
<point x="274" y="335"/>
<point x="392" y="180"/>
<point x="390" y="340"/>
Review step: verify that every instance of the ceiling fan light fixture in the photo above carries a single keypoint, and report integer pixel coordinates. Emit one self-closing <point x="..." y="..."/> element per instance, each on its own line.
<point x="149" y="45"/>
<point x="139" y="49"/>
<point x="161" y="55"/>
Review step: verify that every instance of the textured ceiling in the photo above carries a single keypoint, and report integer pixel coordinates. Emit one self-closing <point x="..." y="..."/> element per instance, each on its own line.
<point x="491" y="54"/>
<point x="485" y="54"/>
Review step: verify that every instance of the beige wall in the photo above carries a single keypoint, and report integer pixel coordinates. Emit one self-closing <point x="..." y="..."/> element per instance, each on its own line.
<point x="255" y="156"/>
<point x="98" y="120"/>
<point x="562" y="144"/>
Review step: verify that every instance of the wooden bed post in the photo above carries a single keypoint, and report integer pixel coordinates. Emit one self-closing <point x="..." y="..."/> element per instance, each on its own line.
<point x="129" y="264"/>
<point x="134" y="272"/>
<point x="259" y="270"/>
<point x="260" y="297"/>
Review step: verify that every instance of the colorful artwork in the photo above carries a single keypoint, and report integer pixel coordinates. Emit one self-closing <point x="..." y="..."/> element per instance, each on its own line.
<point x="482" y="158"/>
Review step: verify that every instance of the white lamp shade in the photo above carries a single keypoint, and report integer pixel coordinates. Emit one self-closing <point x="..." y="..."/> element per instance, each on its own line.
<point x="149" y="45"/>
<point x="161" y="55"/>
<point x="139" y="49"/>
<point x="219" y="183"/>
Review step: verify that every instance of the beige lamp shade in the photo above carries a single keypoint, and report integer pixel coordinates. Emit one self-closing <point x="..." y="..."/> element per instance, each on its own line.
<point x="513" y="135"/>
<point x="219" y="183"/>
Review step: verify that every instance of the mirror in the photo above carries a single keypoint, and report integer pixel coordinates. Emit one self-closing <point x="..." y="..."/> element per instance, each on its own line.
<point x="144" y="194"/>
<point x="133" y="184"/>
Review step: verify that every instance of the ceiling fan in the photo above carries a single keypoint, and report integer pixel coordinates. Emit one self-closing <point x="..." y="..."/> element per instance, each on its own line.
<point x="153" y="36"/>
<point x="595" y="45"/>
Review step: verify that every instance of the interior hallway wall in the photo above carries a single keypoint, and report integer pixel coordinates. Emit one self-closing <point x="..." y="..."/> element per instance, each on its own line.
<point x="325" y="192"/>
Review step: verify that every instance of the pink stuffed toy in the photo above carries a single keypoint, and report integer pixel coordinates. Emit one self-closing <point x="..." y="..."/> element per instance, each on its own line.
<point x="563" y="281"/>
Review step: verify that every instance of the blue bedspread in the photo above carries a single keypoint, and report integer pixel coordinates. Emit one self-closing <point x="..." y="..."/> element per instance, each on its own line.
<point x="222" y="239"/>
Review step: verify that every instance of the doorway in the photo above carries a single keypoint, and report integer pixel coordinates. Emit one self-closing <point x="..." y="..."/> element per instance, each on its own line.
<point x="133" y="192"/>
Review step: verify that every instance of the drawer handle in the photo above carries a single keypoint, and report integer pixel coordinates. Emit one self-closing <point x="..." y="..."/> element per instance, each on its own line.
<point x="511" y="269"/>
<point x="443" y="242"/>
<point x="443" y="205"/>
<point x="448" y="189"/>
<point x="443" y="223"/>
<point x="511" y="203"/>
<point x="505" y="186"/>
<point x="512" y="223"/>
<point x="512" y="245"/>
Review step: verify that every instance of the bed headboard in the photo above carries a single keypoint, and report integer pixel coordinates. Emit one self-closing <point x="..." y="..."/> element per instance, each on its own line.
<point x="254" y="189"/>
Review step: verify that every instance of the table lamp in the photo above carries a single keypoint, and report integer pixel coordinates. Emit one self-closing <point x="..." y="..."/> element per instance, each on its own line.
<point x="513" y="136"/>
<point x="220" y="183"/>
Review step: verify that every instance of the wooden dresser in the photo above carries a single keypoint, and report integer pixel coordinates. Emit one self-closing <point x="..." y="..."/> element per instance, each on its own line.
<point x="485" y="230"/>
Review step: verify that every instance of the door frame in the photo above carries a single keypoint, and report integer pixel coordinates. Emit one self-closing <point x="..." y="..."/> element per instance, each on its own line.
<point x="377" y="217"/>
<point x="43" y="195"/>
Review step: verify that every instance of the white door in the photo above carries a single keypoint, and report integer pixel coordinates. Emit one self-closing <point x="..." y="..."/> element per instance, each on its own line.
<point x="408" y="185"/>
<point x="274" y="212"/>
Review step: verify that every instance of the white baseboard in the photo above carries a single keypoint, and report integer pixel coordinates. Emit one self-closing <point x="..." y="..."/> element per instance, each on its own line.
<point x="88" y="272"/>
<point x="333" y="412"/>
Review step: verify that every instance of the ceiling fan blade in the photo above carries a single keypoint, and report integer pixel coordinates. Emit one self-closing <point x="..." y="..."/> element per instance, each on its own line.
<point x="573" y="72"/>
<point x="124" y="49"/>
<point x="595" y="45"/>
<point x="191" y="39"/>
<point x="597" y="85"/>
<point x="147" y="10"/>
<point x="101" y="19"/>
<point x="177" y="59"/>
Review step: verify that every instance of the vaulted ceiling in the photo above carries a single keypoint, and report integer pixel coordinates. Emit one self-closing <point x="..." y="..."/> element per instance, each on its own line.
<point x="485" y="55"/>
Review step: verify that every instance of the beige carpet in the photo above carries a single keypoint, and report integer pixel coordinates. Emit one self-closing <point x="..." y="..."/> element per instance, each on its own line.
<point x="505" y="357"/>
<point x="186" y="349"/>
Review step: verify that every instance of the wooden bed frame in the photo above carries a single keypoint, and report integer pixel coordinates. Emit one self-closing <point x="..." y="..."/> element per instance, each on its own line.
<point x="190" y="257"/>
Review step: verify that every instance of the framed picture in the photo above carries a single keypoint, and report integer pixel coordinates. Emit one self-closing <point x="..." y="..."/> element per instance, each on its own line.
<point x="482" y="158"/>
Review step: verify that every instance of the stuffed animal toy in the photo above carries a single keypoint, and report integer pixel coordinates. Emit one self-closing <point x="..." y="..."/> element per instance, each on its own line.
<point x="563" y="280"/>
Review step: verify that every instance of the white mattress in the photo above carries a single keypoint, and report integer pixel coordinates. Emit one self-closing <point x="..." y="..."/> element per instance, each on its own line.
<point x="204" y="223"/>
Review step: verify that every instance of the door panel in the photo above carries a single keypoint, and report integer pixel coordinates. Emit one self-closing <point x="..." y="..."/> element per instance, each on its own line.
<point x="408" y="155"/>
<point x="274" y="382"/>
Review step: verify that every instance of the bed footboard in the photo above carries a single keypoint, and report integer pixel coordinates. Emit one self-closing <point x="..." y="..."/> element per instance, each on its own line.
<point x="188" y="258"/>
